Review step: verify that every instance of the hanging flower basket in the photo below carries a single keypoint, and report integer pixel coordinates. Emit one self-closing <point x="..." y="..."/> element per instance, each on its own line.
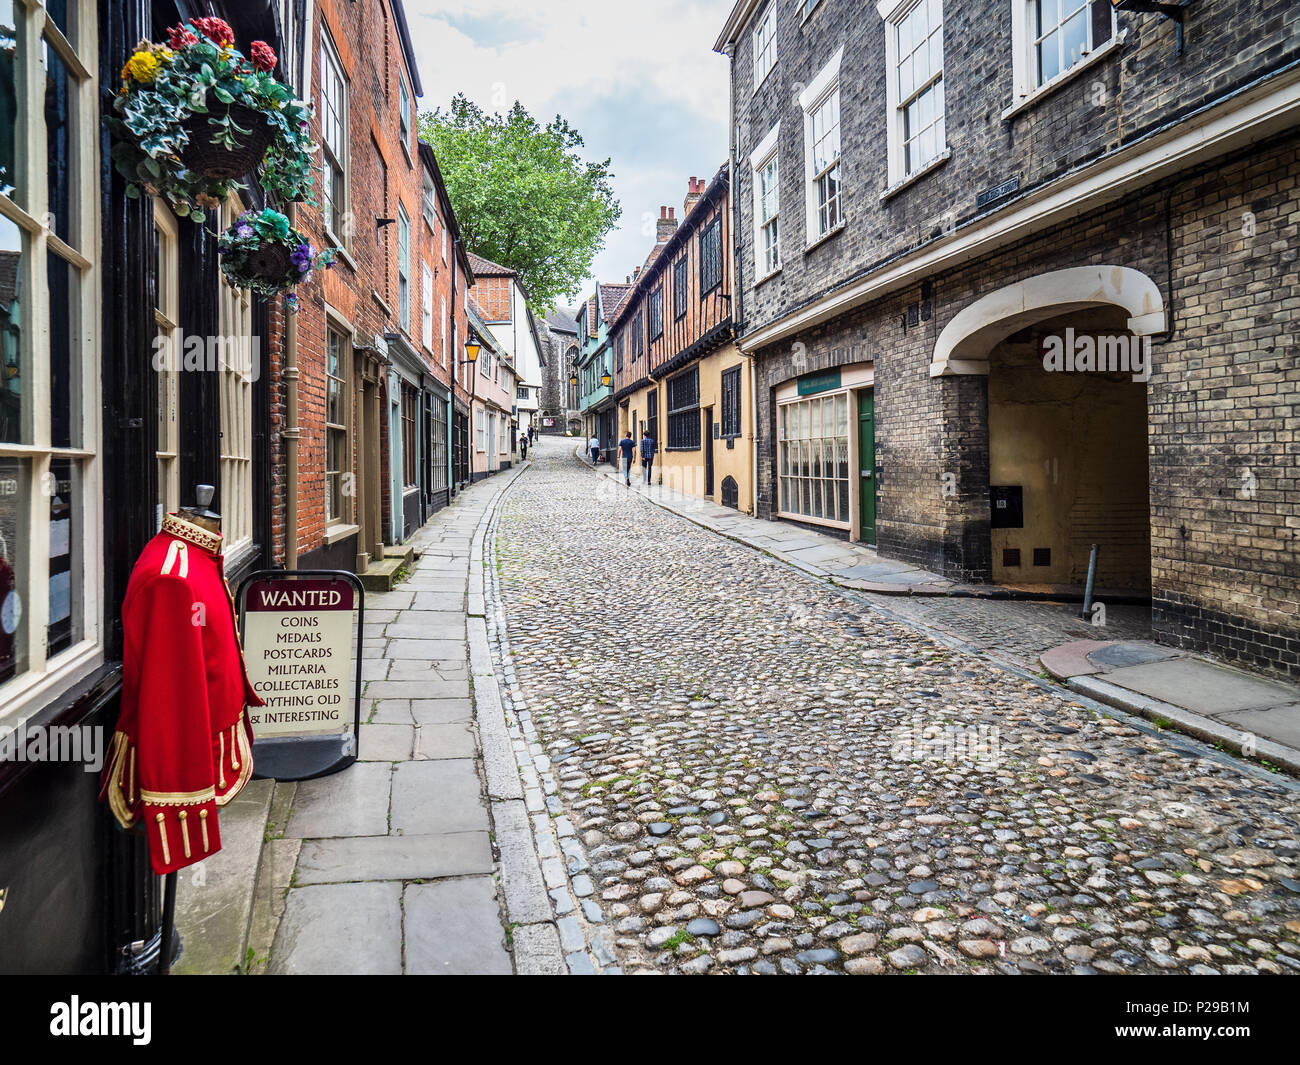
<point x="263" y="253"/>
<point x="216" y="160"/>
<point x="196" y="115"/>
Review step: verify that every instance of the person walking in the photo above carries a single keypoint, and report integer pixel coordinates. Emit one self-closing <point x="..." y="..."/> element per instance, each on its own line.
<point x="523" y="448"/>
<point x="594" y="446"/>
<point x="648" y="449"/>
<point x="626" y="447"/>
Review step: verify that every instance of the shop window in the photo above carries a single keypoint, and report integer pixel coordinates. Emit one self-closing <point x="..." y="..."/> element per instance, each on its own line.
<point x="813" y="458"/>
<point x="50" y="399"/>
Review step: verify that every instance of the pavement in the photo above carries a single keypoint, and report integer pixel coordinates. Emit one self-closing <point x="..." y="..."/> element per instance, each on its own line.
<point x="428" y="854"/>
<point x="1257" y="716"/>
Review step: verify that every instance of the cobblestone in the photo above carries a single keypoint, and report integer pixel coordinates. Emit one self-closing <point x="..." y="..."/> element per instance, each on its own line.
<point x="842" y="793"/>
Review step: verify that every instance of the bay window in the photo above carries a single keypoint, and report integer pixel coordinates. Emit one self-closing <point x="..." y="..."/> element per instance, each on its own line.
<point x="50" y="513"/>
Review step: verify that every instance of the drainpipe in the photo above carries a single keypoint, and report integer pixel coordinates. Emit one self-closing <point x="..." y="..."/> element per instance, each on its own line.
<point x="290" y="432"/>
<point x="737" y="288"/>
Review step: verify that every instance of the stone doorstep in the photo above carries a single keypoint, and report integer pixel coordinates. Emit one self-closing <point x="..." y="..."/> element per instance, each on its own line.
<point x="215" y="898"/>
<point x="381" y="576"/>
<point x="402" y="552"/>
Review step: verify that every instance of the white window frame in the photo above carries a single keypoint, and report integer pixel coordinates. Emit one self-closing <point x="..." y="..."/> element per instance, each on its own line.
<point x="430" y="209"/>
<point x="1027" y="88"/>
<point x="338" y="326"/>
<point x="404" y="115"/>
<point x="426" y="307"/>
<point x="764" y="45"/>
<point x="167" y="448"/>
<point x="46" y="676"/>
<point x="404" y="269"/>
<point x="793" y="443"/>
<point x="806" y="9"/>
<point x="825" y="85"/>
<point x="480" y="429"/>
<point x="445" y="330"/>
<point x="334" y="156"/>
<point x="236" y="375"/>
<point x="766" y="155"/>
<point x="895" y="12"/>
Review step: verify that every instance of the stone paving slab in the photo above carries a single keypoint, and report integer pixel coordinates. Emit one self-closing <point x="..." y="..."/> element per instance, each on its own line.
<point x="351" y="803"/>
<point x="340" y="928"/>
<point x="437" y="797"/>
<point x="385" y="742"/>
<point x="453" y="929"/>
<point x="1281" y="724"/>
<point x="453" y="740"/>
<point x="328" y="861"/>
<point x="441" y="711"/>
<point x="1203" y="687"/>
<point x="527" y="901"/>
<point x="537" y="951"/>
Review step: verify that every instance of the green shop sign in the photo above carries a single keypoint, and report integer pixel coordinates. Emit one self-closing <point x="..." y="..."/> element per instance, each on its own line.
<point x="813" y="383"/>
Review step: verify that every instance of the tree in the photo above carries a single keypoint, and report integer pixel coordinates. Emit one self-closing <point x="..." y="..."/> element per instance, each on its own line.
<point x="523" y="196"/>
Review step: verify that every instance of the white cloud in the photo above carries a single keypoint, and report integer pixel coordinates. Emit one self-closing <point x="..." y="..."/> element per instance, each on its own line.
<point x="641" y="83"/>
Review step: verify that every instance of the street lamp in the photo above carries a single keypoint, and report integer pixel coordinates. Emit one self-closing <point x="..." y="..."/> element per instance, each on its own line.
<point x="573" y="378"/>
<point x="605" y="379"/>
<point x="471" y="351"/>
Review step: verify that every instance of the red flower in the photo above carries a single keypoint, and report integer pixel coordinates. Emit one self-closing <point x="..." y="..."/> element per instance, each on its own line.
<point x="216" y="30"/>
<point x="262" y="55"/>
<point x="178" y="37"/>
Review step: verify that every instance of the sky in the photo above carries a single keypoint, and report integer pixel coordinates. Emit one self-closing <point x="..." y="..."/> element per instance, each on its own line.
<point x="639" y="81"/>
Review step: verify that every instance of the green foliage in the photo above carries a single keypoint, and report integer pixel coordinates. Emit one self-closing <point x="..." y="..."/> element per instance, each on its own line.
<point x="523" y="195"/>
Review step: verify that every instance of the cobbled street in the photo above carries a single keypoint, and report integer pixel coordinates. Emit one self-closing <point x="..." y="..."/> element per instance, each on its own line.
<point x="770" y="776"/>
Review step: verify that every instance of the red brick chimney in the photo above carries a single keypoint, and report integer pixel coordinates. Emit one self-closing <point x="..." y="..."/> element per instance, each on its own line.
<point x="694" y="190"/>
<point x="667" y="224"/>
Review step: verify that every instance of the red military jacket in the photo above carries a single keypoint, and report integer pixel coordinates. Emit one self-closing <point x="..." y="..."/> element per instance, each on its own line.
<point x="183" y="745"/>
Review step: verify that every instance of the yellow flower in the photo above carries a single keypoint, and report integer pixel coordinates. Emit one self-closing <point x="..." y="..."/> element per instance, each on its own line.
<point x="143" y="66"/>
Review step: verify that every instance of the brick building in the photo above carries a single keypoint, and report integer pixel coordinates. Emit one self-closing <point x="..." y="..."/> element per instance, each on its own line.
<point x="677" y="374"/>
<point x="936" y="200"/>
<point x="366" y="443"/>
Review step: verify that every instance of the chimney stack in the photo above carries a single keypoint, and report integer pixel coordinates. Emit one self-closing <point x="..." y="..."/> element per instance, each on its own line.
<point x="667" y="224"/>
<point x="694" y="190"/>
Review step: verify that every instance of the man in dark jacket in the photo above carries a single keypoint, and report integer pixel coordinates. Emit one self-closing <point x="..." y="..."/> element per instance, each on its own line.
<point x="626" y="447"/>
<point x="648" y="450"/>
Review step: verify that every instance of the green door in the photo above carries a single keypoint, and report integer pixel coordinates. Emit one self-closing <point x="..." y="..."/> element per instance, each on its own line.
<point x="867" y="466"/>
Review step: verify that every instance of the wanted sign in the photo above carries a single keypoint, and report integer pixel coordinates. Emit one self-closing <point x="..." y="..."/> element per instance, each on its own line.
<point x="298" y="650"/>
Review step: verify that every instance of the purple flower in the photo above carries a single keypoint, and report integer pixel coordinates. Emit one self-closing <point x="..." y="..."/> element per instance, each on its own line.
<point x="244" y="230"/>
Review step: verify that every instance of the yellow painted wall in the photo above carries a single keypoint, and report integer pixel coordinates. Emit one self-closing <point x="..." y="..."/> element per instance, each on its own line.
<point x="683" y="471"/>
